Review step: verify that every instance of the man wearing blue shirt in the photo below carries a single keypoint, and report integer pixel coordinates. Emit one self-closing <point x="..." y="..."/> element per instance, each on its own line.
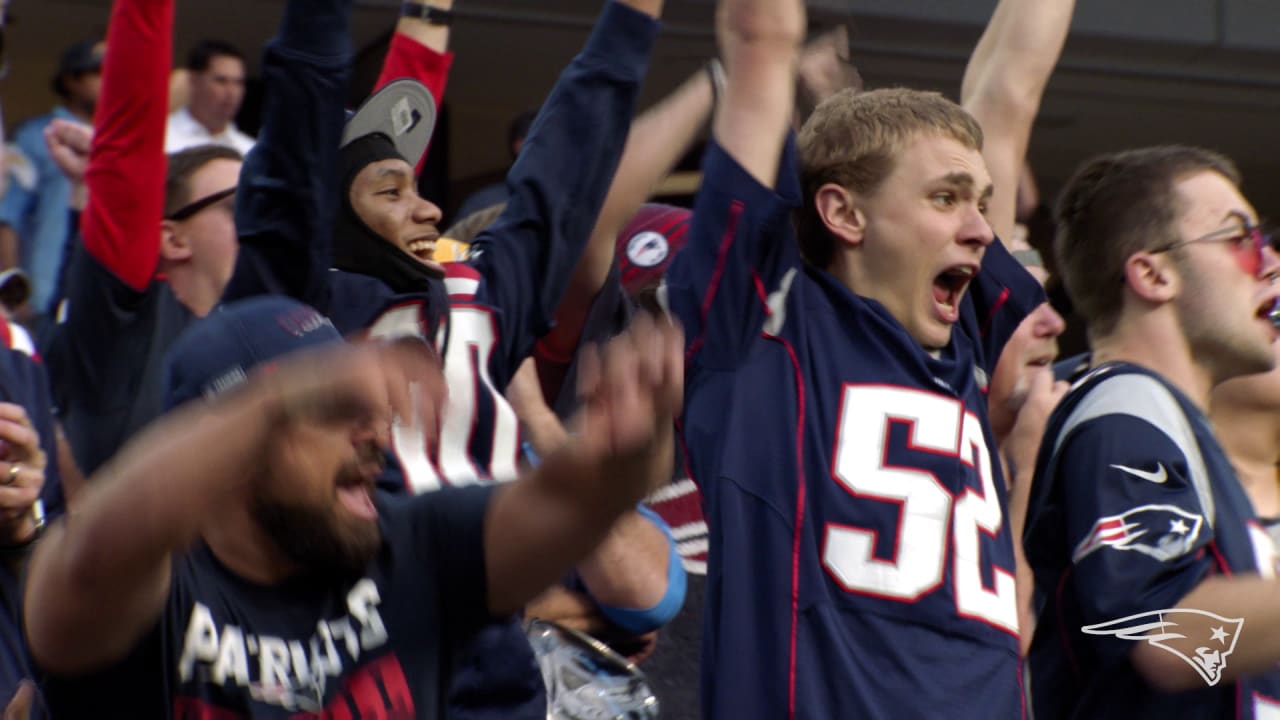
<point x="33" y="214"/>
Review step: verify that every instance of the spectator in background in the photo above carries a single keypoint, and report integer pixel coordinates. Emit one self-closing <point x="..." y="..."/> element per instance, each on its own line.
<point x="33" y="214"/>
<point x="215" y="87"/>
<point x="497" y="192"/>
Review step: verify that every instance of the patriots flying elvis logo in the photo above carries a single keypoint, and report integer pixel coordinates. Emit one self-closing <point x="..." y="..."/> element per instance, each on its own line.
<point x="1162" y="531"/>
<point x="1209" y="638"/>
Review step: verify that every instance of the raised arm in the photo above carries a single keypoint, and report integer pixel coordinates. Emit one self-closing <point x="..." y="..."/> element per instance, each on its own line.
<point x="633" y="568"/>
<point x="558" y="183"/>
<point x="125" y="177"/>
<point x="657" y="141"/>
<point x="760" y="44"/>
<point x="419" y="50"/>
<point x="286" y="206"/>
<point x="543" y="524"/>
<point x="1002" y="88"/>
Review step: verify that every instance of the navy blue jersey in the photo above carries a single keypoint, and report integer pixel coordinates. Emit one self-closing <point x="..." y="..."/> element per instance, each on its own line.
<point x="382" y="645"/>
<point x="860" y="563"/>
<point x="1134" y="503"/>
<point x="108" y="357"/>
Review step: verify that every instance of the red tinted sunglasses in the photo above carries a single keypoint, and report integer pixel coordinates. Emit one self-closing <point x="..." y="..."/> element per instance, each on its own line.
<point x="1248" y="243"/>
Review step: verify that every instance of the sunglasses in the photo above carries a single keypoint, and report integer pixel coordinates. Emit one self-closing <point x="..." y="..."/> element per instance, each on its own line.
<point x="1247" y="244"/>
<point x="196" y="206"/>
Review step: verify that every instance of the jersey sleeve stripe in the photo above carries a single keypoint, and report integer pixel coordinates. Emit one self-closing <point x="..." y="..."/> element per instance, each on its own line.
<point x="996" y="307"/>
<point x="722" y="259"/>
<point x="799" y="525"/>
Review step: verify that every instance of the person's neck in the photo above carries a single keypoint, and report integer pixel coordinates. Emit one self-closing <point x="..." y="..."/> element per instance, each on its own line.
<point x="1251" y="438"/>
<point x="189" y="289"/>
<point x="1157" y="343"/>
<point x="213" y="125"/>
<point x="240" y="544"/>
<point x="81" y="112"/>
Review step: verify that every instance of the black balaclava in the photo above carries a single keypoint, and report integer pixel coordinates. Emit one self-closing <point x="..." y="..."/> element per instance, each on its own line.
<point x="358" y="249"/>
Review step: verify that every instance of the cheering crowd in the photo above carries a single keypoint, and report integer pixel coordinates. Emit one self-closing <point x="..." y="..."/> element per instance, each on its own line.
<point x="277" y="443"/>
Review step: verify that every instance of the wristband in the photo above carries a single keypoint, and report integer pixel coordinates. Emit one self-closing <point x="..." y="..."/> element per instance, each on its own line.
<point x="715" y="73"/>
<point x="428" y="13"/>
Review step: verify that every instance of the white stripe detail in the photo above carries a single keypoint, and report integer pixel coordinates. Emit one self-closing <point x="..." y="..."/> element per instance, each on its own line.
<point x="692" y="547"/>
<point x="693" y="529"/>
<point x="21" y="341"/>
<point x="695" y="567"/>
<point x="672" y="491"/>
<point x="461" y="286"/>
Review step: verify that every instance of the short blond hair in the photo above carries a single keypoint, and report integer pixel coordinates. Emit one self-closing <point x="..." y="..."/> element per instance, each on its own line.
<point x="853" y="139"/>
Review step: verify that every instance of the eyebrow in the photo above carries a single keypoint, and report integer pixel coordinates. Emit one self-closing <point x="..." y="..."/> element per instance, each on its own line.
<point x="1240" y="215"/>
<point x="389" y="171"/>
<point x="966" y="182"/>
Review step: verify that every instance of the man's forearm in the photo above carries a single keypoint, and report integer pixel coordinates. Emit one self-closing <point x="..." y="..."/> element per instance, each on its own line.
<point x="1003" y="85"/>
<point x="545" y="522"/>
<point x="111" y="558"/>
<point x="1257" y="649"/>
<point x="657" y="141"/>
<point x="760" y="44"/>
<point x="152" y="498"/>
<point x="629" y="569"/>
<point x="432" y="35"/>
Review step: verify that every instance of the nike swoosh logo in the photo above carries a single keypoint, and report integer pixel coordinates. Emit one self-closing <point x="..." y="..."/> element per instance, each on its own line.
<point x="1158" y="477"/>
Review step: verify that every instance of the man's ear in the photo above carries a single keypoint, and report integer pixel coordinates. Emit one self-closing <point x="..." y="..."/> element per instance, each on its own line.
<point x="1152" y="277"/>
<point x="173" y="244"/>
<point x="841" y="214"/>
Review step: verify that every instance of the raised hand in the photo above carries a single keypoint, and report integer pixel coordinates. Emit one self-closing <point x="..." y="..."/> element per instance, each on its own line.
<point x="69" y="143"/>
<point x="1023" y="444"/>
<point x="375" y="382"/>
<point x="632" y="390"/>
<point x="825" y="68"/>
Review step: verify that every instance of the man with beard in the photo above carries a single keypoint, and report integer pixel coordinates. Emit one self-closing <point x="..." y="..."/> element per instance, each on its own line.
<point x="1146" y="553"/>
<point x="365" y="260"/>
<point x="233" y="560"/>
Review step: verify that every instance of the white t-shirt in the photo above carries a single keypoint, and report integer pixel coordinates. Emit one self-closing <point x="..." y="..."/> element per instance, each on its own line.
<point x="185" y="131"/>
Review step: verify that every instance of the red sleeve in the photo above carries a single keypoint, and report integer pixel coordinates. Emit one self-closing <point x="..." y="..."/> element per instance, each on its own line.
<point x="126" y="170"/>
<point x="408" y="58"/>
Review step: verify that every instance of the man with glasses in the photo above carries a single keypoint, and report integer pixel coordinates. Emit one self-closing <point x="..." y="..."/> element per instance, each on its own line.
<point x="1154" y="583"/>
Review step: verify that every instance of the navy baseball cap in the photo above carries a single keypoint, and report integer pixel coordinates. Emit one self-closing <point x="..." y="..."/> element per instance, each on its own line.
<point x="83" y="57"/>
<point x="648" y="243"/>
<point x="217" y="352"/>
<point x="404" y="111"/>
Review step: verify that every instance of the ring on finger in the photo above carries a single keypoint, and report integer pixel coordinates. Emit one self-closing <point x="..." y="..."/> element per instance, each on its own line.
<point x="12" y="476"/>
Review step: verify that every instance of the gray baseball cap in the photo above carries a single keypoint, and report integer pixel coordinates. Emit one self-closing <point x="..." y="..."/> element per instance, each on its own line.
<point x="404" y="111"/>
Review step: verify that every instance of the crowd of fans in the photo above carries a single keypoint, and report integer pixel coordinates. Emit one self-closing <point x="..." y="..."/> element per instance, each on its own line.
<point x="276" y="443"/>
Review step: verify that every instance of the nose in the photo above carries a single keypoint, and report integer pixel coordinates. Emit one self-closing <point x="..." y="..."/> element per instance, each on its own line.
<point x="426" y="212"/>
<point x="975" y="230"/>
<point x="1270" y="270"/>
<point x="1049" y="324"/>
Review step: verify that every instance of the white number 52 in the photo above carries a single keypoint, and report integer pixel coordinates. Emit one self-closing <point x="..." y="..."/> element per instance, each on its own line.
<point x="940" y="425"/>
